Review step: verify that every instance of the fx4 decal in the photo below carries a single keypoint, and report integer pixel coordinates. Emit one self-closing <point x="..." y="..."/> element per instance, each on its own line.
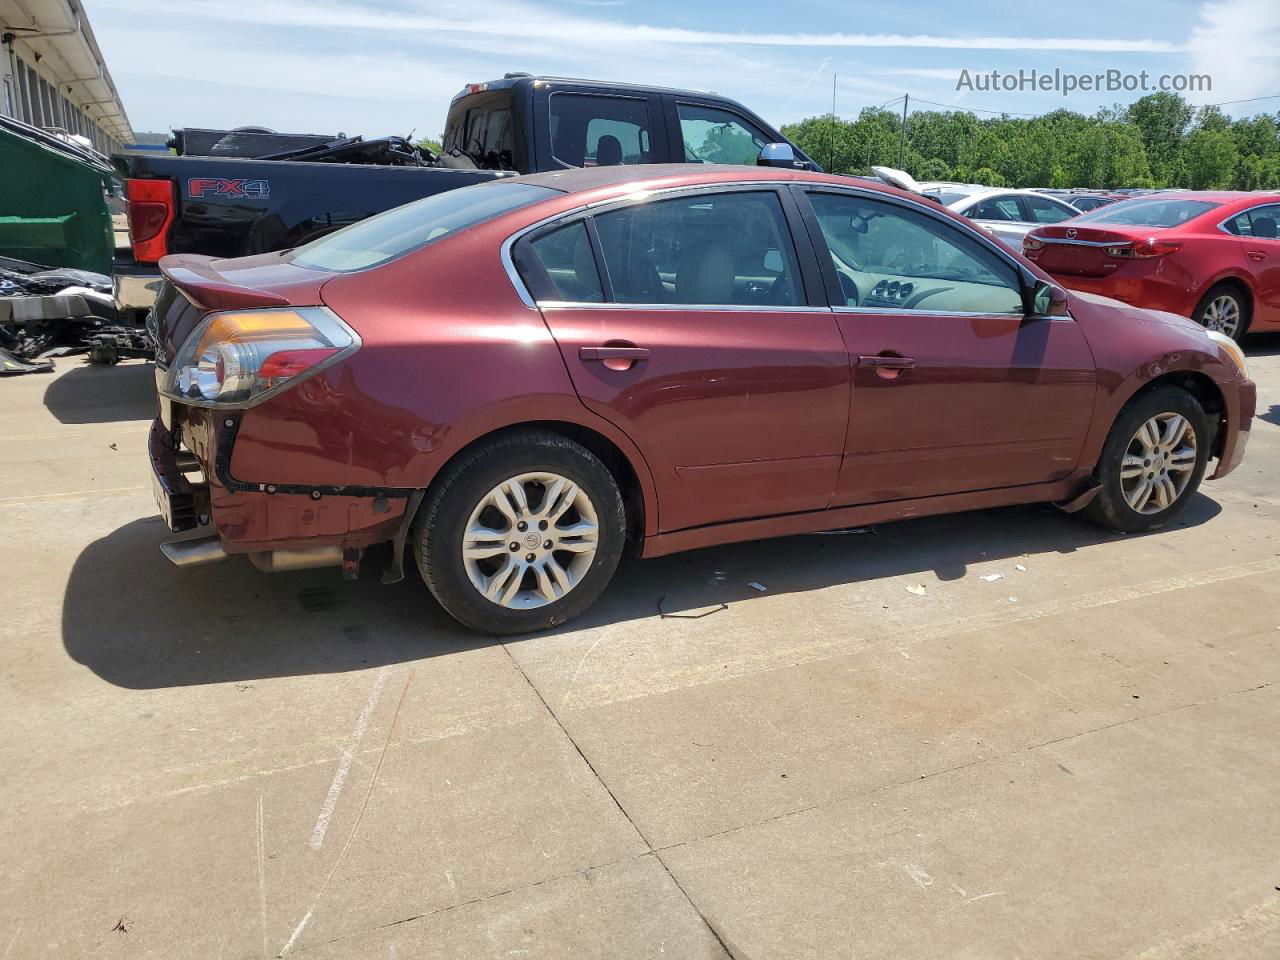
<point x="198" y="187"/>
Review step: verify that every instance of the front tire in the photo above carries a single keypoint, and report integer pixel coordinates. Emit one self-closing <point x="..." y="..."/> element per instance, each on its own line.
<point x="1225" y="310"/>
<point x="521" y="534"/>
<point x="1152" y="463"/>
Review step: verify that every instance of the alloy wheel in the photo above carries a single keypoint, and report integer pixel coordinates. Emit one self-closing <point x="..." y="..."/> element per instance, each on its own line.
<point x="1223" y="315"/>
<point x="530" y="540"/>
<point x="1158" y="463"/>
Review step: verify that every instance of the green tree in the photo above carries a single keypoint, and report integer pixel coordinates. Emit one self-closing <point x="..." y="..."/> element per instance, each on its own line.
<point x="1162" y="119"/>
<point x="1210" y="158"/>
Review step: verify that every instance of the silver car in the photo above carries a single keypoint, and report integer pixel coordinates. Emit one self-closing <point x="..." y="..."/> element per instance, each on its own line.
<point x="1009" y="215"/>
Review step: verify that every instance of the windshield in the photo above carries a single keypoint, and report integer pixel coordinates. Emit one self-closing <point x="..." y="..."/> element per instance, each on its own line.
<point x="394" y="233"/>
<point x="1148" y="213"/>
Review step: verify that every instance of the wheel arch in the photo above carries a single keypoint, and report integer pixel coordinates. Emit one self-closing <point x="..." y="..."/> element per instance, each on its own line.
<point x="1195" y="382"/>
<point x="1236" y="281"/>
<point x="627" y="466"/>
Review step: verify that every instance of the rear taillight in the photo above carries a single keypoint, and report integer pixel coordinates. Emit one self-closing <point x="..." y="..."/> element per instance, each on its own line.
<point x="1030" y="243"/>
<point x="150" y="210"/>
<point x="1147" y="249"/>
<point x="237" y="359"/>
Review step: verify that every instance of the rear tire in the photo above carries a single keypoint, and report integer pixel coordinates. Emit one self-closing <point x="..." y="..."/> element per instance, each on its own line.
<point x="1225" y="310"/>
<point x="521" y="534"/>
<point x="1152" y="463"/>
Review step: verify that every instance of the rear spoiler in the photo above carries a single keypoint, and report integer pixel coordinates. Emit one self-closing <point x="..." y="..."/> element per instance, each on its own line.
<point x="195" y="276"/>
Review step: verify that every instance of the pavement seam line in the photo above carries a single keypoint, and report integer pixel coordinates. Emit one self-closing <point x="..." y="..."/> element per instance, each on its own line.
<point x="355" y="827"/>
<point x="617" y="803"/>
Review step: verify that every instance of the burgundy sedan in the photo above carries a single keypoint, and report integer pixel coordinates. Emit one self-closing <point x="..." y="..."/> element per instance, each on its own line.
<point x="512" y="382"/>
<point x="1214" y="257"/>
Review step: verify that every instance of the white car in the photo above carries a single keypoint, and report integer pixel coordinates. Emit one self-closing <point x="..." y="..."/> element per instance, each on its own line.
<point x="1009" y="215"/>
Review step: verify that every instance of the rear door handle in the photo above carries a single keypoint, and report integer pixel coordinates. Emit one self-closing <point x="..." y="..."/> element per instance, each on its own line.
<point x="1256" y="255"/>
<point x="887" y="363"/>
<point x="613" y="353"/>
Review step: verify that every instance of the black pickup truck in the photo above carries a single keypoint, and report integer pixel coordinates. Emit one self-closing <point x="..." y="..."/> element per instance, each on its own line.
<point x="229" y="207"/>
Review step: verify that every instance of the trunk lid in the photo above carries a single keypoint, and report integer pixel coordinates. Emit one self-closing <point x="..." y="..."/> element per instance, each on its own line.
<point x="1082" y="251"/>
<point x="197" y="285"/>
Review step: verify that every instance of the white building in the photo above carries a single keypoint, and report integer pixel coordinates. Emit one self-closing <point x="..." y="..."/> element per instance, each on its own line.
<point x="52" y="74"/>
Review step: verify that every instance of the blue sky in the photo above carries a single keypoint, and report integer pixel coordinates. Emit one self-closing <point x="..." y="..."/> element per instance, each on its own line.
<point x="373" y="68"/>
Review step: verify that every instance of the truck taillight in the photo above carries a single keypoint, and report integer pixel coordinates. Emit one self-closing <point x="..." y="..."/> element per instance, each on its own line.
<point x="238" y="358"/>
<point x="150" y="211"/>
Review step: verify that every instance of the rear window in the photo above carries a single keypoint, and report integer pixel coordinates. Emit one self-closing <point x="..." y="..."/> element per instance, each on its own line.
<point x="392" y="234"/>
<point x="946" y="199"/>
<point x="480" y="133"/>
<point x="1148" y="213"/>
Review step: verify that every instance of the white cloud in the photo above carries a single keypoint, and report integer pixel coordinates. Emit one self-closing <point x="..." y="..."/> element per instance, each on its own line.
<point x="1237" y="43"/>
<point x="531" y="21"/>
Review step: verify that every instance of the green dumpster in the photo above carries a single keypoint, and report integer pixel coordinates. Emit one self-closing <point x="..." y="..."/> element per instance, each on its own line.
<point x="53" y="201"/>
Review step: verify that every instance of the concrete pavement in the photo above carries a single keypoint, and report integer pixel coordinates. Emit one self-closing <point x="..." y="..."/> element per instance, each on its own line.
<point x="1075" y="760"/>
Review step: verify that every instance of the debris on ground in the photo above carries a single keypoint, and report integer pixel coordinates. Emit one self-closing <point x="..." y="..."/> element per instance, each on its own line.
<point x="754" y="585"/>
<point x="56" y="312"/>
<point x="993" y="577"/>
<point x="122" y="926"/>
<point x="663" y="615"/>
<point x="1020" y="568"/>
<point x="918" y="589"/>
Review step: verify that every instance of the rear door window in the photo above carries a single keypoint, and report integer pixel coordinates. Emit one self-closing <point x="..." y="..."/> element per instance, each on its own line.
<point x="717" y="136"/>
<point x="722" y="248"/>
<point x="599" y="131"/>
<point x="1046" y="211"/>
<point x="997" y="208"/>
<point x="1261" y="222"/>
<point x="558" y="265"/>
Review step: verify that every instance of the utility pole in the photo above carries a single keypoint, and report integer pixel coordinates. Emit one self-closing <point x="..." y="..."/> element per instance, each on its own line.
<point x="902" y="141"/>
<point x="831" y="151"/>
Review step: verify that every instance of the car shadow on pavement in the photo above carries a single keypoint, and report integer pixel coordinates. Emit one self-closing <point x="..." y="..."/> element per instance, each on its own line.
<point x="1272" y="416"/>
<point x="94" y="393"/>
<point x="1262" y="345"/>
<point x="138" y="622"/>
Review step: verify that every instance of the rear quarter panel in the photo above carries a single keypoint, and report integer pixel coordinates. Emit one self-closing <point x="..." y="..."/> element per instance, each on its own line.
<point x="449" y="353"/>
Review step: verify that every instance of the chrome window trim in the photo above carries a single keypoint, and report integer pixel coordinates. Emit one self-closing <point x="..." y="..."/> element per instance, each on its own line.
<point x="1240" y="236"/>
<point x="681" y="307"/>
<point x="640" y="196"/>
<point x="903" y="312"/>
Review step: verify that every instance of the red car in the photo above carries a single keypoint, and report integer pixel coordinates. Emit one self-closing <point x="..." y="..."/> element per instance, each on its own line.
<point x="1213" y="257"/>
<point x="514" y="381"/>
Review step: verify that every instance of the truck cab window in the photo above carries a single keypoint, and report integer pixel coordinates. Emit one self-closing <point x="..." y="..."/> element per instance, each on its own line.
<point x="596" y="131"/>
<point x="718" y="136"/>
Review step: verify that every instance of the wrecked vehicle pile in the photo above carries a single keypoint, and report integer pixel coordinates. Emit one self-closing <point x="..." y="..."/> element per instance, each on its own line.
<point x="46" y="313"/>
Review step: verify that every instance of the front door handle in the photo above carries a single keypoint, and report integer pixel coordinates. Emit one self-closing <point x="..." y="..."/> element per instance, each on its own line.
<point x="617" y="357"/>
<point x="1256" y="255"/>
<point x="888" y="366"/>
<point x="887" y="363"/>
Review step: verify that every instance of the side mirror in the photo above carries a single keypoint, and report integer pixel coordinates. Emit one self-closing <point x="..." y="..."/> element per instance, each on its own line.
<point x="1048" y="300"/>
<point x="779" y="155"/>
